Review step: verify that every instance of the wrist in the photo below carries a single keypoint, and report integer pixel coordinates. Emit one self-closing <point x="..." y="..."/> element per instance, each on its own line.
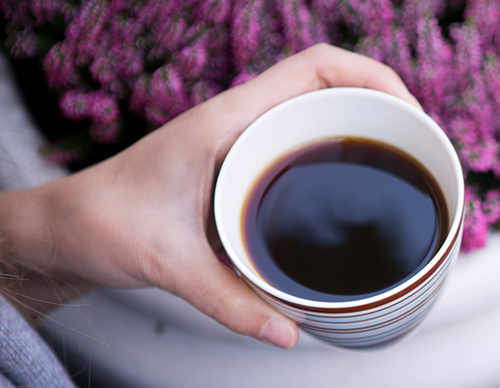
<point x="31" y="274"/>
<point x="26" y="229"/>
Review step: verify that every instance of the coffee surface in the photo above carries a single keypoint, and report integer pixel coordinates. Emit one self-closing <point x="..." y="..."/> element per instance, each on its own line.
<point x="343" y="219"/>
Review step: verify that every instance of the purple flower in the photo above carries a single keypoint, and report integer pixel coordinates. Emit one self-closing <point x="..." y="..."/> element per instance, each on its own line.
<point x="85" y="32"/>
<point x="496" y="169"/>
<point x="485" y="15"/>
<point x="47" y="10"/>
<point x="193" y="59"/>
<point x="23" y="44"/>
<point x="167" y="95"/>
<point x="98" y="106"/>
<point x="169" y="27"/>
<point x="139" y="95"/>
<point x="482" y="156"/>
<point x="492" y="83"/>
<point x="103" y="68"/>
<point x="434" y="58"/>
<point x="399" y="57"/>
<point x="326" y="12"/>
<point x="377" y="16"/>
<point x="475" y="222"/>
<point x="413" y="11"/>
<point x="243" y="77"/>
<point x="491" y="206"/>
<point x="17" y="12"/>
<point x="468" y="52"/>
<point x="59" y="67"/>
<point x="219" y="56"/>
<point x="105" y="133"/>
<point x="204" y="90"/>
<point x="214" y="11"/>
<point x="103" y="108"/>
<point x="75" y="104"/>
<point x="245" y="28"/>
<point x="297" y="26"/>
<point x="56" y="154"/>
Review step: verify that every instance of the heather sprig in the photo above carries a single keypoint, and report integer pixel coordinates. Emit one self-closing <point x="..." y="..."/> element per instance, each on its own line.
<point x="475" y="222"/>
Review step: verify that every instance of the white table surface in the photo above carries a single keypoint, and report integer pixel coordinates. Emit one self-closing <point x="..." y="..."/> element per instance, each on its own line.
<point x="148" y="338"/>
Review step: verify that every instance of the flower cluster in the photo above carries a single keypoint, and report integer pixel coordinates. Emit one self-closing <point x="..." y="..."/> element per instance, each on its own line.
<point x="154" y="59"/>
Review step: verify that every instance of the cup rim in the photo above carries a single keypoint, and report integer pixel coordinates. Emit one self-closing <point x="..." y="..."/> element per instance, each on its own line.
<point x="387" y="296"/>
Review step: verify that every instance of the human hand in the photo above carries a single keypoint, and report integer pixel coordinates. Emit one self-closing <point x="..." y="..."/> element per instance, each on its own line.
<point x="143" y="217"/>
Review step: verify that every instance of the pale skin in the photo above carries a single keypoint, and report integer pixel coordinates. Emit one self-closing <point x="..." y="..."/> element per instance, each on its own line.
<point x="143" y="217"/>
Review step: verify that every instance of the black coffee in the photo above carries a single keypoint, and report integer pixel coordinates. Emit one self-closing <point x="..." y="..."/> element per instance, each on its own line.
<point x="343" y="219"/>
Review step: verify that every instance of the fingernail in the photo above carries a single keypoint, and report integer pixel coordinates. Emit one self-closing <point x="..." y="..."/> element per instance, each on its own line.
<point x="277" y="333"/>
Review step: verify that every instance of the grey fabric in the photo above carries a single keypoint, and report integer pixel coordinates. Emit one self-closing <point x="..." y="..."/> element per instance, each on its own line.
<point x="25" y="359"/>
<point x="4" y="382"/>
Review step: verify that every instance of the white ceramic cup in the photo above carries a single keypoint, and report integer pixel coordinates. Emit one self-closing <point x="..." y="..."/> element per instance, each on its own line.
<point x="377" y="320"/>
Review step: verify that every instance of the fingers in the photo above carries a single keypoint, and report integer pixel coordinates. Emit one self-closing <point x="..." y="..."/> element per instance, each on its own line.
<point x="320" y="66"/>
<point x="358" y="71"/>
<point x="216" y="291"/>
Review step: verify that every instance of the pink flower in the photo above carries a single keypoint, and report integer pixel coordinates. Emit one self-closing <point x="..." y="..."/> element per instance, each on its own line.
<point x="485" y="15"/>
<point x="56" y="154"/>
<point x="481" y="157"/>
<point x="491" y="206"/>
<point x="297" y="25"/>
<point x="100" y="108"/>
<point x="75" y="104"/>
<point x="219" y="57"/>
<point x="105" y="133"/>
<point x="167" y="95"/>
<point x="245" y="28"/>
<point x="204" y="90"/>
<point x="139" y="95"/>
<point x="48" y="10"/>
<point x="475" y="222"/>
<point x="17" y="12"/>
<point x="85" y="32"/>
<point x="325" y="17"/>
<point x="214" y="11"/>
<point x="492" y="83"/>
<point x="23" y="44"/>
<point x="464" y="131"/>
<point x="103" y="67"/>
<point x="242" y="77"/>
<point x="414" y="10"/>
<point x="59" y="67"/>
<point x="194" y="59"/>
<point x="496" y="169"/>
<point x="377" y="15"/>
<point x="434" y="58"/>
<point x="168" y="26"/>
<point x="398" y="56"/>
<point x="103" y="108"/>
<point x="468" y="52"/>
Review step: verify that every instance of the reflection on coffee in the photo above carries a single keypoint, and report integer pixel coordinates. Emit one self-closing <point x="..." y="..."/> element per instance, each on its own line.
<point x="343" y="219"/>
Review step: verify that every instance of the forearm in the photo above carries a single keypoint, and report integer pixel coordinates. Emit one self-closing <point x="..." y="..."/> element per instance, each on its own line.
<point x="31" y="276"/>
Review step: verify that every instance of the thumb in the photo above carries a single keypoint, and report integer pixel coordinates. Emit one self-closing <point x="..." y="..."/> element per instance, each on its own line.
<point x="217" y="291"/>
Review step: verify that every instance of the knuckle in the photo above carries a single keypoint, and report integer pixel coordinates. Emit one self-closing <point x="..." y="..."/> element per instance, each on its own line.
<point x="389" y="72"/>
<point x="319" y="49"/>
<point x="228" y="309"/>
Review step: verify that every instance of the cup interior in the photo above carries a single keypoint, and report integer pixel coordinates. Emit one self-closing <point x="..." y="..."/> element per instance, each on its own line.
<point x="331" y="113"/>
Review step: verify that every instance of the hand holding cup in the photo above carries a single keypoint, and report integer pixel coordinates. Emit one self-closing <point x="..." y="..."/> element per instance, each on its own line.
<point x="142" y="217"/>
